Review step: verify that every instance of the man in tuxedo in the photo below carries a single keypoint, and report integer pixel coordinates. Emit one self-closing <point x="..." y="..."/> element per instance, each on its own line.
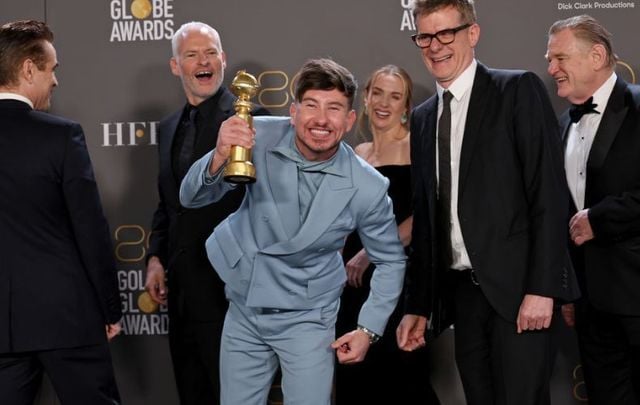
<point x="279" y="254"/>
<point x="59" y="300"/>
<point x="602" y="146"/>
<point x="194" y="291"/>
<point x="489" y="215"/>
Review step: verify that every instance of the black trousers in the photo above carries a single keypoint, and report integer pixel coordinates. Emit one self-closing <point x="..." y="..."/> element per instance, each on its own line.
<point x="610" y="353"/>
<point x="195" y="354"/>
<point x="80" y="376"/>
<point x="497" y="365"/>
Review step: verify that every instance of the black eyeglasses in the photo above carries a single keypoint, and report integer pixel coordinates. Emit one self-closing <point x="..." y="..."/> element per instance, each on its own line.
<point x="445" y="37"/>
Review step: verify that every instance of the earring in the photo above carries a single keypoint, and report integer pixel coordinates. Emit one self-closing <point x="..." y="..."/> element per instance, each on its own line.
<point x="404" y="118"/>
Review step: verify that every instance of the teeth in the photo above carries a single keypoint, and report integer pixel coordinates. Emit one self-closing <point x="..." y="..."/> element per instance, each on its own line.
<point x="383" y="113"/>
<point x="320" y="132"/>
<point x="442" y="59"/>
<point x="204" y="74"/>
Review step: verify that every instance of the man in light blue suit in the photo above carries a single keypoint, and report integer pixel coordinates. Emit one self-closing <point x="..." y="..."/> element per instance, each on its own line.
<point x="279" y="254"/>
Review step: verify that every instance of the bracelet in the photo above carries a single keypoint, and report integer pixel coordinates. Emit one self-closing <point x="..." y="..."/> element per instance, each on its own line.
<point x="373" y="337"/>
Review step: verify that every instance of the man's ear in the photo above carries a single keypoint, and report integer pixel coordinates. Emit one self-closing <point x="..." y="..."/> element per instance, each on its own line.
<point x="474" y="35"/>
<point x="598" y="55"/>
<point x="292" y="112"/>
<point x="28" y="70"/>
<point x="173" y="64"/>
<point x="351" y="119"/>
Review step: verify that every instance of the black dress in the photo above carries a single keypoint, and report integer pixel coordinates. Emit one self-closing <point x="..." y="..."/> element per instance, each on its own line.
<point x="388" y="375"/>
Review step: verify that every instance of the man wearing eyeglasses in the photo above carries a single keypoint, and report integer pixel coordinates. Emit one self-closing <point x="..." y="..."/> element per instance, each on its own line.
<point x="489" y="249"/>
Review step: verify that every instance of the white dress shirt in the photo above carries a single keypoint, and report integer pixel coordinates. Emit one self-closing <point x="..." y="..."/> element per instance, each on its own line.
<point x="461" y="91"/>
<point x="14" y="96"/>
<point x="579" y="141"/>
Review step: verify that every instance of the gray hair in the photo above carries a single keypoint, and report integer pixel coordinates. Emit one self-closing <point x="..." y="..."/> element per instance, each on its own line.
<point x="190" y="26"/>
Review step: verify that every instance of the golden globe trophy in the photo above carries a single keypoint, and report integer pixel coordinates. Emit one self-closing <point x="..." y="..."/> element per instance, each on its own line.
<point x="240" y="170"/>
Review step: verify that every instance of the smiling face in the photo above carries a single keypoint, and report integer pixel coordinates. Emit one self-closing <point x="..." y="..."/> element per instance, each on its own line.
<point x="573" y="66"/>
<point x="200" y="64"/>
<point x="386" y="101"/>
<point x="321" y="119"/>
<point x="447" y="62"/>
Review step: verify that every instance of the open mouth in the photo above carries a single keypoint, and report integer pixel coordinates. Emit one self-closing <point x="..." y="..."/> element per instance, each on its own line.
<point x="319" y="132"/>
<point x="382" y="114"/>
<point x="442" y="59"/>
<point x="205" y="75"/>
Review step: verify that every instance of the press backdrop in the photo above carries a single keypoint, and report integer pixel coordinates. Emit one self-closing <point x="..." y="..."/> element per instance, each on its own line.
<point x="115" y="80"/>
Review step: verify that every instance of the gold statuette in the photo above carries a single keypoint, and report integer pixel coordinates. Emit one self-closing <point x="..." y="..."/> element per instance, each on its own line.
<point x="240" y="169"/>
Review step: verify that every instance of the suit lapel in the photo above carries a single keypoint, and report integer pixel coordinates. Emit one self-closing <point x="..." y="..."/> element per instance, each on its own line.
<point x="283" y="181"/>
<point x="612" y="119"/>
<point x="332" y="196"/>
<point x="208" y="135"/>
<point x="475" y="113"/>
<point x="429" y="149"/>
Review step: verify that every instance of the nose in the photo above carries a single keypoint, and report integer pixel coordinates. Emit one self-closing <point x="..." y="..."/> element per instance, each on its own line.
<point x="321" y="116"/>
<point x="552" y="68"/>
<point x="203" y="59"/>
<point x="55" y="81"/>
<point x="435" y="45"/>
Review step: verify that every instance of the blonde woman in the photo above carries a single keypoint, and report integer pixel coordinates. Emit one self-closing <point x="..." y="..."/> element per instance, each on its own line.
<point x="387" y="375"/>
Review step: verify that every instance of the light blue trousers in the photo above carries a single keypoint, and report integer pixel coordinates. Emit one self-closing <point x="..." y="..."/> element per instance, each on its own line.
<point x="255" y="341"/>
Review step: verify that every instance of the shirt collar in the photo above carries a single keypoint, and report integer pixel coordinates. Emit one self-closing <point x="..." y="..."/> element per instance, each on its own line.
<point x="601" y="96"/>
<point x="208" y="106"/>
<point x="289" y="150"/>
<point x="462" y="84"/>
<point x="15" y="96"/>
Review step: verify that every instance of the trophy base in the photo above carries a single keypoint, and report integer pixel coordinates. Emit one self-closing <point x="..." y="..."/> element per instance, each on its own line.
<point x="240" y="173"/>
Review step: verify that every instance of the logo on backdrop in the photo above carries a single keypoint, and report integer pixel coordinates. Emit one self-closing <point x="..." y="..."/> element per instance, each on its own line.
<point x="624" y="70"/>
<point x="595" y="5"/>
<point x="134" y="133"/>
<point x="141" y="20"/>
<point x="407" y="23"/>
<point x="139" y="317"/>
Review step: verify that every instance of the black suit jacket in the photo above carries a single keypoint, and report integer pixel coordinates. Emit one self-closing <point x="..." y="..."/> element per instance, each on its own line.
<point x="611" y="261"/>
<point x="179" y="234"/>
<point x="58" y="284"/>
<point x="511" y="198"/>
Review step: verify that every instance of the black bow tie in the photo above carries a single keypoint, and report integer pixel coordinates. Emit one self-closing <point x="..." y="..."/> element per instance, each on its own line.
<point x="578" y="110"/>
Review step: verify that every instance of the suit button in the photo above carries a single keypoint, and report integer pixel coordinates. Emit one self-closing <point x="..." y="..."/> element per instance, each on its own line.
<point x="265" y="218"/>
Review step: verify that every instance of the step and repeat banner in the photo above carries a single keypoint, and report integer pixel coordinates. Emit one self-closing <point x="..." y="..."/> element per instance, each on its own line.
<point x="114" y="79"/>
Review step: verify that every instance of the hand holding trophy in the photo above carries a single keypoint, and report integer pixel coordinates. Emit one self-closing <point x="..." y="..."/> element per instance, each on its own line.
<point x="240" y="170"/>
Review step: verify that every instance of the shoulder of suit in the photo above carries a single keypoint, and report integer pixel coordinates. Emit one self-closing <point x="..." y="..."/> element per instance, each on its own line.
<point x="270" y="129"/>
<point x="51" y="120"/>
<point x="425" y="105"/>
<point x="510" y="76"/>
<point x="270" y="122"/>
<point x="634" y="89"/>
<point x="174" y="116"/>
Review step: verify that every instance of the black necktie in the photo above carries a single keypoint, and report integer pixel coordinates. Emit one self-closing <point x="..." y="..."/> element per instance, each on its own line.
<point x="444" y="177"/>
<point x="578" y="110"/>
<point x="188" y="143"/>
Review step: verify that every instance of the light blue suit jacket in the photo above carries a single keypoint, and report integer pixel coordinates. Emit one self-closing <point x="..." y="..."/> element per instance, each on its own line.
<point x="268" y="259"/>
